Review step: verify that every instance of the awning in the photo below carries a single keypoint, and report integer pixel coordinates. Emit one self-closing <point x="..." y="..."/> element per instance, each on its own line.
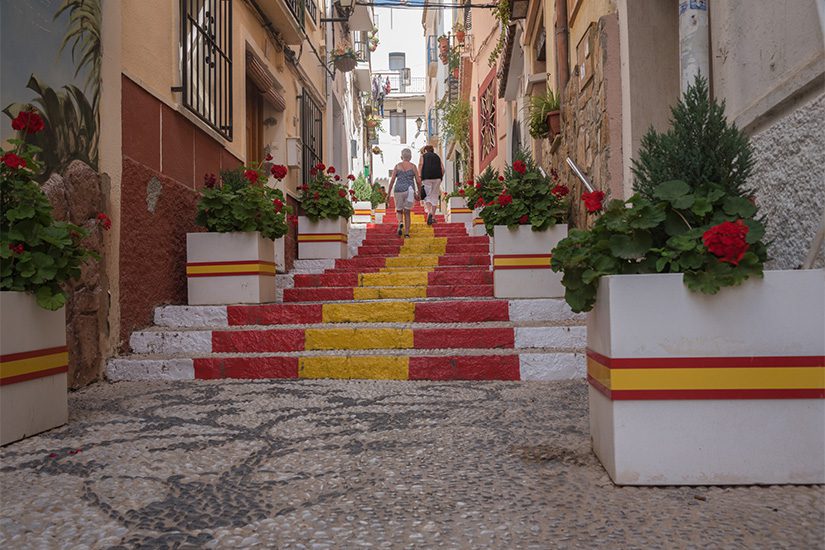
<point x="264" y="81"/>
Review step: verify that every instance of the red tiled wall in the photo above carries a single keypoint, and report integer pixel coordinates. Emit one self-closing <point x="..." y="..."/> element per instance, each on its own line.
<point x="158" y="143"/>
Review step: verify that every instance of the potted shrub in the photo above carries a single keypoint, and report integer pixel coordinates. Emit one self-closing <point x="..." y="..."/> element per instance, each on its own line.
<point x="458" y="210"/>
<point x="460" y="32"/>
<point x="484" y="189"/>
<point x="691" y="381"/>
<point x="544" y="116"/>
<point x="38" y="256"/>
<point x="361" y="194"/>
<point x="325" y="201"/>
<point x="233" y="262"/>
<point x="344" y="57"/>
<point x="454" y="62"/>
<point x="526" y="220"/>
<point x="443" y="44"/>
<point x="378" y="199"/>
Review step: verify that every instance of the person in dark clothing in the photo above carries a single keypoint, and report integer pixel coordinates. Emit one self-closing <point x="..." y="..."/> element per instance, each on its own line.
<point x="431" y="169"/>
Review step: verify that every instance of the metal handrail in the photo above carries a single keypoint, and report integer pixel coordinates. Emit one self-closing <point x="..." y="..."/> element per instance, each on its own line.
<point x="579" y="174"/>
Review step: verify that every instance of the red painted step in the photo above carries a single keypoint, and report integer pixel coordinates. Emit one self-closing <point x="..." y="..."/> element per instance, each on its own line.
<point x="448" y="291"/>
<point x="466" y="338"/>
<point x="320" y="294"/>
<point x="454" y="276"/>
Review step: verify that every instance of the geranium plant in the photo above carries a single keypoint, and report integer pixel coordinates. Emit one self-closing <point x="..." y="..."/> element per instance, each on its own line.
<point x="362" y="191"/>
<point x="38" y="254"/>
<point x="324" y="196"/>
<point x="707" y="230"/>
<point x="528" y="197"/>
<point x="378" y="196"/>
<point x="241" y="201"/>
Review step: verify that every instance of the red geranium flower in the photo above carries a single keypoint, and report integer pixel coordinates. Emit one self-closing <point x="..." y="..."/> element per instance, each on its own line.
<point x="293" y="219"/>
<point x="342" y="193"/>
<point x="279" y="171"/>
<point x="461" y="192"/>
<point x="337" y="177"/>
<point x="279" y="205"/>
<point x="480" y="202"/>
<point x="312" y="172"/>
<point x="316" y="196"/>
<point x="351" y="177"/>
<point x="525" y="219"/>
<point x="17" y="248"/>
<point x="210" y="181"/>
<point x="593" y="201"/>
<point x="28" y="122"/>
<point x="504" y="199"/>
<point x="727" y="241"/>
<point x="13" y="161"/>
<point x="519" y="167"/>
<point x="501" y="178"/>
<point x="352" y="191"/>
<point x="331" y="170"/>
<point x="560" y="190"/>
<point x="320" y="166"/>
<point x="470" y="183"/>
<point x="554" y="174"/>
<point x="268" y="157"/>
<point x="104" y="221"/>
<point x="251" y="175"/>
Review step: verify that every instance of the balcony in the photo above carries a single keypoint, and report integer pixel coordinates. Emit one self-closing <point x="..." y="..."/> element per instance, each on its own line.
<point x="363" y="78"/>
<point x="287" y="17"/>
<point x="399" y="85"/>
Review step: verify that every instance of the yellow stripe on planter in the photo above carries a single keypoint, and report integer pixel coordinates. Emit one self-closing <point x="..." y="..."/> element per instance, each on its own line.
<point x="417" y="278"/>
<point x="384" y="312"/>
<point x="358" y="338"/>
<point x="33" y="364"/>
<point x="461" y="211"/>
<point x="383" y="292"/>
<point x="521" y="261"/>
<point x="321" y="237"/>
<point x="718" y="378"/>
<point x="363" y="212"/>
<point x="370" y="367"/>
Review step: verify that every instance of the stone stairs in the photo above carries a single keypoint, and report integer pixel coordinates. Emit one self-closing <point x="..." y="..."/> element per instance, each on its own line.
<point x="420" y="309"/>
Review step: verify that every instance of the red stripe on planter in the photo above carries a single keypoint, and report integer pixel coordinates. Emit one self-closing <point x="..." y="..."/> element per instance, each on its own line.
<point x="462" y="312"/>
<point x="279" y="314"/>
<point x="33" y="375"/>
<point x="465" y="338"/>
<point x="9" y="357"/>
<point x="708" y="362"/>
<point x="257" y="341"/>
<point x="246" y="367"/>
<point x="468" y="367"/>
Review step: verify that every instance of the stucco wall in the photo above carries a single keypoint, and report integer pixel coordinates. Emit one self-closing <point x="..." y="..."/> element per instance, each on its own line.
<point x="789" y="182"/>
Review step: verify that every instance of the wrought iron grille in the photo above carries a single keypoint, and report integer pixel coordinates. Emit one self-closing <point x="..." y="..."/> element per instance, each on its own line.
<point x="297" y="7"/>
<point x="206" y="62"/>
<point x="311" y="133"/>
<point x="312" y="10"/>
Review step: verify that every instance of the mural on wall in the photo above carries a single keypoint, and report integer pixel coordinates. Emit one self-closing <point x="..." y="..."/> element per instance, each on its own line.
<point x="59" y="75"/>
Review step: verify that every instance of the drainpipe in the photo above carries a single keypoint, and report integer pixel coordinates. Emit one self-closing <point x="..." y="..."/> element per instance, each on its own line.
<point x="694" y="41"/>
<point x="562" y="39"/>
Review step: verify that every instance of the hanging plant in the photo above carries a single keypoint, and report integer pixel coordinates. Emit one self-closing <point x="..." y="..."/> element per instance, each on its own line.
<point x="502" y="14"/>
<point x="344" y="57"/>
<point x="460" y="32"/>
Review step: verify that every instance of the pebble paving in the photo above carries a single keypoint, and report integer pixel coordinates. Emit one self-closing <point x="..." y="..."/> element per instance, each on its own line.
<point x="347" y="464"/>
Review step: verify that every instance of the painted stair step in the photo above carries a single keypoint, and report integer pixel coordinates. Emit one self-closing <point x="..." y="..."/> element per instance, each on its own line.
<point x="321" y="294"/>
<point x="395" y="278"/>
<point x="394" y="240"/>
<point x="477" y="366"/>
<point x="473" y="249"/>
<point x="347" y="338"/>
<point x="415" y="260"/>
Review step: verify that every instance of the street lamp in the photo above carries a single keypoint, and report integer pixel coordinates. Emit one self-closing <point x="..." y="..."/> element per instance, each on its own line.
<point x="418" y="123"/>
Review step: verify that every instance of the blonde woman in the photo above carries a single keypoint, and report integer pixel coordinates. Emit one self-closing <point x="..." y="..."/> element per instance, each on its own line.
<point x="431" y="169"/>
<point x="406" y="182"/>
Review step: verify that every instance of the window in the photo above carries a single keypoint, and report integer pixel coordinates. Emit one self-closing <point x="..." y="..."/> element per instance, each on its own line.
<point x="432" y="49"/>
<point x="254" y="123"/>
<point x="398" y="60"/>
<point x="206" y="62"/>
<point x="398" y="125"/>
<point x="432" y="122"/>
<point x="488" y="144"/>
<point x="311" y="128"/>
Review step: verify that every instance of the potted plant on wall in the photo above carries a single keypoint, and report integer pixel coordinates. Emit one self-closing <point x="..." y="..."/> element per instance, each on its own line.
<point x="344" y="57"/>
<point x="460" y="32"/>
<point x="362" y="193"/>
<point x="526" y="220"/>
<point x="38" y="257"/>
<point x="378" y="199"/>
<point x="486" y="188"/>
<point x="443" y="44"/>
<point x="234" y="260"/>
<point x="454" y="62"/>
<point x="692" y="381"/>
<point x="325" y="201"/>
<point x="544" y="115"/>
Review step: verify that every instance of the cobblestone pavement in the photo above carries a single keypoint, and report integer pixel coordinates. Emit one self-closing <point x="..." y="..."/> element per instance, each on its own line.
<point x="323" y="464"/>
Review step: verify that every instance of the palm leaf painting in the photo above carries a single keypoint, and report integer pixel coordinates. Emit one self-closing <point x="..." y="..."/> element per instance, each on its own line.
<point x="83" y="33"/>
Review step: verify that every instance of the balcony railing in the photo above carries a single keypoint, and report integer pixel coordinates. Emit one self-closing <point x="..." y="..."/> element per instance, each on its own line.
<point x="415" y="85"/>
<point x="362" y="46"/>
<point x="297" y="7"/>
<point x="312" y="10"/>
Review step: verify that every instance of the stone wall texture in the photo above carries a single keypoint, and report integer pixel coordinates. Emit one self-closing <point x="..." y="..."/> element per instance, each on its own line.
<point x="77" y="197"/>
<point x="789" y="182"/>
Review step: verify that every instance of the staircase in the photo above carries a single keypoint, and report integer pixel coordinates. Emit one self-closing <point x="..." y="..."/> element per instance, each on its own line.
<point x="411" y="309"/>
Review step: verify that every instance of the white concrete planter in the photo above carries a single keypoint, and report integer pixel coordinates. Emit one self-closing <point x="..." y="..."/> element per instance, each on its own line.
<point x="477" y="228"/>
<point x="230" y="268"/>
<point x="322" y="239"/>
<point x="380" y="212"/>
<point x="521" y="262"/>
<point x="691" y="389"/>
<point x="457" y="211"/>
<point x="363" y="212"/>
<point x="33" y="365"/>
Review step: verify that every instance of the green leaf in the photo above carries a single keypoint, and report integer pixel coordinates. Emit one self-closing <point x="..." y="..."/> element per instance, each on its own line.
<point x="756" y="230"/>
<point x="50" y="300"/>
<point x="676" y="192"/>
<point x="701" y="206"/>
<point x="631" y="246"/>
<point x="739" y="206"/>
<point x="675" y="224"/>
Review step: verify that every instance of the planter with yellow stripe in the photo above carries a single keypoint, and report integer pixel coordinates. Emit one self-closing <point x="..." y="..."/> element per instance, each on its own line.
<point x="478" y="228"/>
<point x="380" y="212"/>
<point x="694" y="389"/>
<point x="521" y="262"/>
<point x="458" y="212"/>
<point x="322" y="239"/>
<point x="230" y="268"/>
<point x="33" y="366"/>
<point x="363" y="212"/>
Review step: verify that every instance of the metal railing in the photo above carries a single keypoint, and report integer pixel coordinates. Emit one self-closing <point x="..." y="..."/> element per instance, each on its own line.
<point x="398" y="84"/>
<point x="297" y="8"/>
<point x="311" y="134"/>
<point x="362" y="46"/>
<point x="312" y="10"/>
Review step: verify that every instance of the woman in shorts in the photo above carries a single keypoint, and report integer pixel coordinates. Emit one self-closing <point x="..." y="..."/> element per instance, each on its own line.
<point x="405" y="182"/>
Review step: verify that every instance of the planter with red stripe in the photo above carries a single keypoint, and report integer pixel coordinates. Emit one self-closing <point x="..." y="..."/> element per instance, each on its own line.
<point x="33" y="365"/>
<point x="692" y="389"/>
<point x="380" y="212"/>
<point x="363" y="212"/>
<point x="458" y="212"/>
<point x="521" y="262"/>
<point x="322" y="239"/>
<point x="230" y="268"/>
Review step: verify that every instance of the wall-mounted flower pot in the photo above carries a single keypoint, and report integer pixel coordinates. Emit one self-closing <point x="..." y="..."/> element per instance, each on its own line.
<point x="554" y="123"/>
<point x="345" y="64"/>
<point x="443" y="45"/>
<point x="230" y="268"/>
<point x="521" y="262"/>
<point x="693" y="389"/>
<point x="459" y="36"/>
<point x="33" y="365"/>
<point x="363" y="212"/>
<point x="372" y="123"/>
<point x="380" y="212"/>
<point x="455" y="72"/>
<point x="322" y="239"/>
<point x="457" y="211"/>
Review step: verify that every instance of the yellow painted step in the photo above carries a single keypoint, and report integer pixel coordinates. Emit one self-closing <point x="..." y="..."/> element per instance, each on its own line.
<point x="384" y="312"/>
<point x="358" y="338"/>
<point x="379" y="367"/>
<point x="384" y="292"/>
<point x="418" y="278"/>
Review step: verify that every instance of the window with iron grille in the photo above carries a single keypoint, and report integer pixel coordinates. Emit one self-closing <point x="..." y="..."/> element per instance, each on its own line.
<point x="311" y="128"/>
<point x="432" y="49"/>
<point x="312" y="10"/>
<point x="488" y="138"/>
<point x="398" y="125"/>
<point x="206" y="62"/>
